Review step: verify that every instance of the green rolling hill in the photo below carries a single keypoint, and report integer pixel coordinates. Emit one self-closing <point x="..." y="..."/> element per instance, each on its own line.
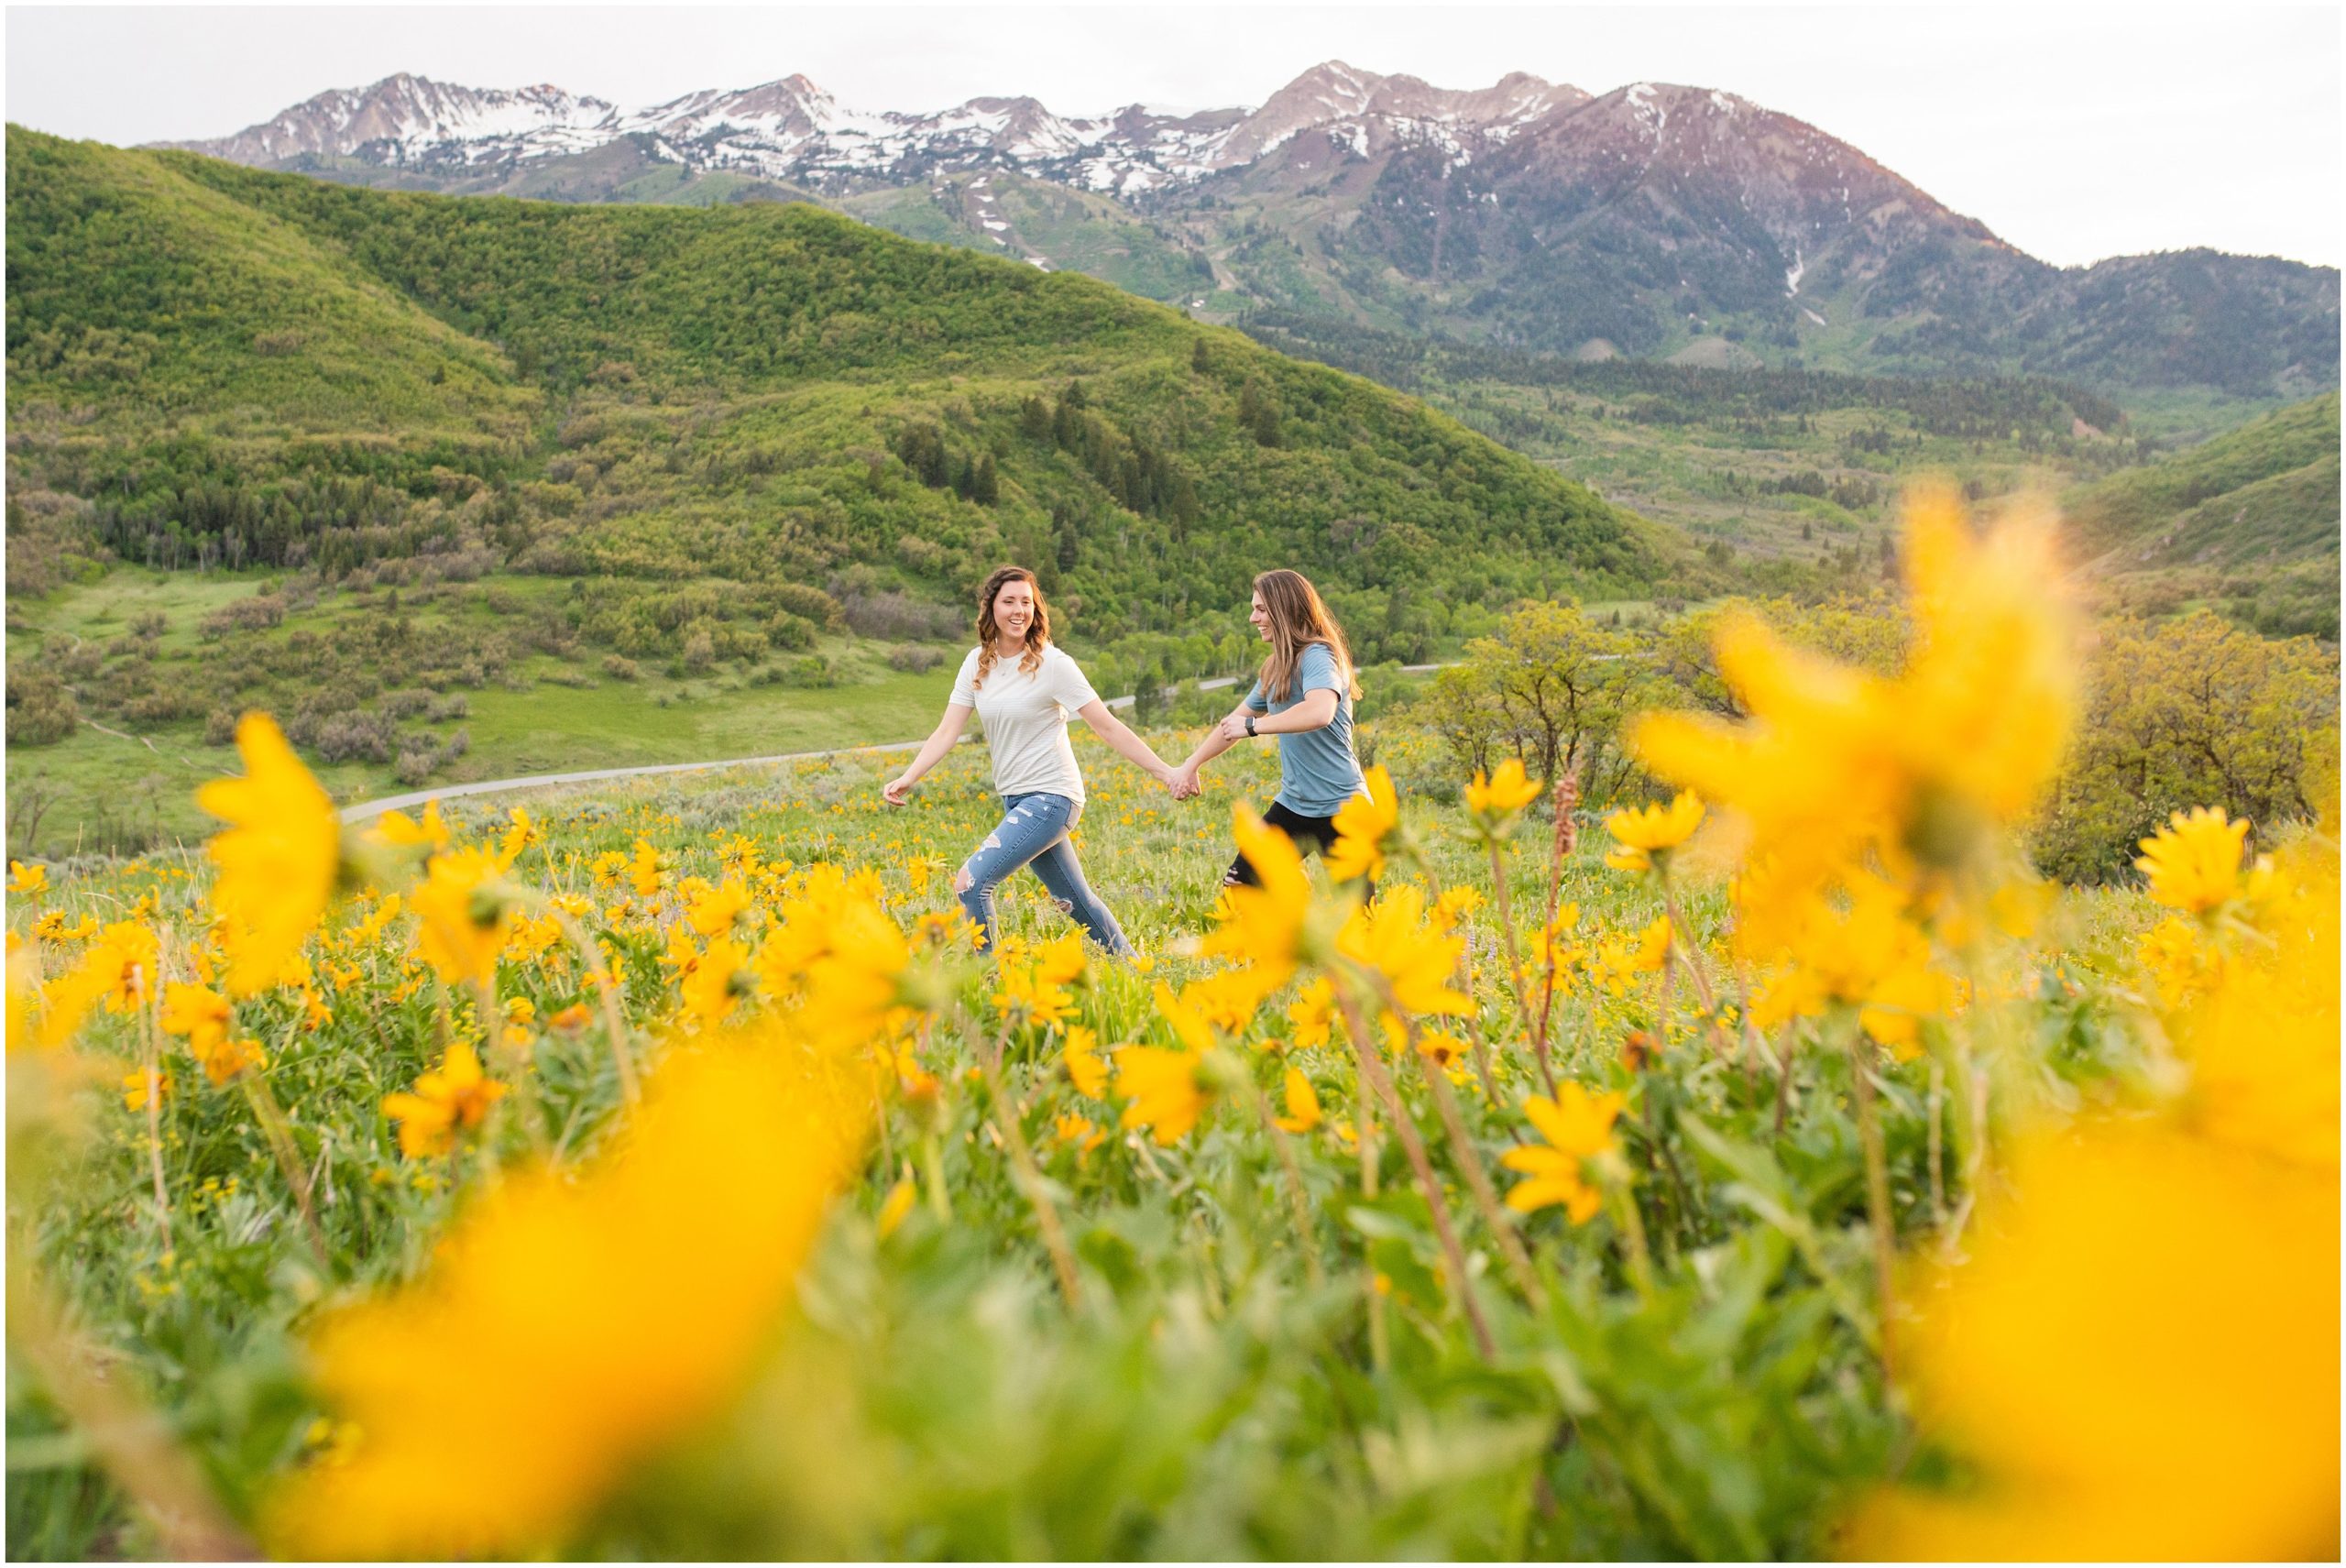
<point x="2248" y="521"/>
<point x="350" y="454"/>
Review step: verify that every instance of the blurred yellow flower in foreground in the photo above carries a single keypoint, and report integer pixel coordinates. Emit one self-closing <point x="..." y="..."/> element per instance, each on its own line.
<point x="464" y="916"/>
<point x="567" y="1328"/>
<point x="1413" y="956"/>
<point x="1364" y="824"/>
<point x="1834" y="761"/>
<point x="2194" y="862"/>
<point x="2263" y="1043"/>
<point x="1166" y="1088"/>
<point x="27" y="880"/>
<point x="1578" y="1126"/>
<point x="2143" y="1355"/>
<point x="1265" y="924"/>
<point x="1085" y="1066"/>
<point x="278" y="857"/>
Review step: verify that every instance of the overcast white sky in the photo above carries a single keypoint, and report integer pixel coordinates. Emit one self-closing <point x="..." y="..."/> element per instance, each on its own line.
<point x="2076" y="134"/>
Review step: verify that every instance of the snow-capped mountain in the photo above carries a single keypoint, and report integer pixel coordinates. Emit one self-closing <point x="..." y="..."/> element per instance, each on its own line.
<point x="792" y="130"/>
<point x="1653" y="219"/>
<point x="409" y="119"/>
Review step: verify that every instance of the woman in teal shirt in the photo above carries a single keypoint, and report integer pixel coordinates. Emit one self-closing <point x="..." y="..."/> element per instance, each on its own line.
<point x="1304" y="696"/>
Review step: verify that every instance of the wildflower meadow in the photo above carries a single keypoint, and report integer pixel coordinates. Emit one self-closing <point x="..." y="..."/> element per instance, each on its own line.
<point x="660" y="1170"/>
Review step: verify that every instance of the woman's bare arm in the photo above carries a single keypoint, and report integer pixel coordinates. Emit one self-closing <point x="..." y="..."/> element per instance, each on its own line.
<point x="941" y="740"/>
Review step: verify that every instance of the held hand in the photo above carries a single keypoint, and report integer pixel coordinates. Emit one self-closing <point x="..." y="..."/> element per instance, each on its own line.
<point x="896" y="790"/>
<point x="1189" y="787"/>
<point x="1231" y="730"/>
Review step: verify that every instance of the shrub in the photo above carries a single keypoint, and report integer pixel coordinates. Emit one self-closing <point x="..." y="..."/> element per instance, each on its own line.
<point x="915" y="659"/>
<point x="40" y="710"/>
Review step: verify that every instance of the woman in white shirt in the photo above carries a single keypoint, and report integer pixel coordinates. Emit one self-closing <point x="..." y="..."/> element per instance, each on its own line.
<point x="1023" y="689"/>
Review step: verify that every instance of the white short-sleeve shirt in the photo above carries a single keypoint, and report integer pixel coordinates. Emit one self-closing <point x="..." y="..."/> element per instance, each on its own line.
<point x="1024" y="717"/>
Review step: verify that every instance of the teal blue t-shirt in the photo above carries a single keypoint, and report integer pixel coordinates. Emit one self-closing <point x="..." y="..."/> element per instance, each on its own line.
<point x="1318" y="772"/>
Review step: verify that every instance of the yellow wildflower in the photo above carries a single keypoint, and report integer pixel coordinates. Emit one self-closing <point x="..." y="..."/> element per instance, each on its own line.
<point x="2263" y="1044"/>
<point x="278" y="857"/>
<point x="137" y="1086"/>
<point x="518" y="837"/>
<point x="398" y="831"/>
<point x="223" y="1059"/>
<point x="1578" y="1126"/>
<point x="570" y="1326"/>
<point x="1494" y="802"/>
<point x="719" y="981"/>
<point x="1084" y="1067"/>
<point x="1166" y="1088"/>
<point x="1312" y="1013"/>
<point x="718" y="910"/>
<point x="1163" y="1088"/>
<point x="1393" y="938"/>
<point x="1302" y="1104"/>
<point x="2194" y="862"/>
<point x="1265" y="924"/>
<point x="28" y="880"/>
<point x="1455" y="903"/>
<point x="1364" y="825"/>
<point x="2181" y="963"/>
<point x="1081" y="1132"/>
<point x="197" y="1012"/>
<point x="1833" y="761"/>
<point x="464" y="915"/>
<point x="459" y="1095"/>
<point x="2050" y="1360"/>
<point x="643" y="870"/>
<point x="1645" y="838"/>
<point x="898" y="1203"/>
<point x="1027" y="995"/>
<point x="1061" y="960"/>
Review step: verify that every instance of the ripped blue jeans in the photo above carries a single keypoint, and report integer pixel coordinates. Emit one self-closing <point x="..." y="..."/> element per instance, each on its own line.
<point x="1034" y="832"/>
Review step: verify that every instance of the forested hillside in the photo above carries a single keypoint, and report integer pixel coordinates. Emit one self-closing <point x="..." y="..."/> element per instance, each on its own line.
<point x="761" y="391"/>
<point x="2248" y="521"/>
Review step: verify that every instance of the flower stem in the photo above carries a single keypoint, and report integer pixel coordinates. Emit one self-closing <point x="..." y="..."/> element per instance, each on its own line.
<point x="1878" y="1214"/>
<point x="1515" y="966"/>
<point x="607" y="990"/>
<point x="1373" y="1070"/>
<point x="1046" y="1214"/>
<point x="1478" y="1181"/>
<point x="1292" y="1174"/>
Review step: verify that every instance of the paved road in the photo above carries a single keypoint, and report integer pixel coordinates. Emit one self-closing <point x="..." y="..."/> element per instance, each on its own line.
<point x="366" y="809"/>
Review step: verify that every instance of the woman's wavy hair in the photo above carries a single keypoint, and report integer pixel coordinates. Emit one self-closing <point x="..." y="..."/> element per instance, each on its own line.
<point x="1299" y="618"/>
<point x="1038" y="630"/>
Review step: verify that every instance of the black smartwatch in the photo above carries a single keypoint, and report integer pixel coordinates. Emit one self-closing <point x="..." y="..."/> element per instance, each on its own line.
<point x="1250" y="724"/>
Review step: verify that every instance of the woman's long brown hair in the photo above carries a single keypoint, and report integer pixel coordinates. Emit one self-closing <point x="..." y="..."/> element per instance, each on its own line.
<point x="1038" y="630"/>
<point x="1299" y="618"/>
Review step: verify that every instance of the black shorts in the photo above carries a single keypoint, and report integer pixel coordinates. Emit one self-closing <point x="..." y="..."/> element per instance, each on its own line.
<point x="1317" y="832"/>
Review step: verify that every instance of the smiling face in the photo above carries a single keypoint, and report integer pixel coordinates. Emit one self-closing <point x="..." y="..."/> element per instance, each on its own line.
<point x="1014" y="611"/>
<point x="1261" y="616"/>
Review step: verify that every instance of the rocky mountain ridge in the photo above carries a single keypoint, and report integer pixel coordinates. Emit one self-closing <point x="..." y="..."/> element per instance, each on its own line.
<point x="1655" y="220"/>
